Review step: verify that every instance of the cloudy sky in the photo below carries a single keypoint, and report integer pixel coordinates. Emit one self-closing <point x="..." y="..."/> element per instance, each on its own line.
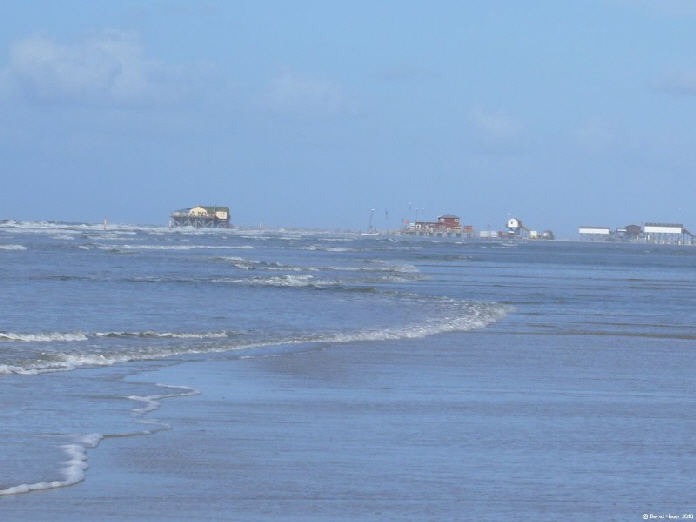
<point x="310" y="113"/>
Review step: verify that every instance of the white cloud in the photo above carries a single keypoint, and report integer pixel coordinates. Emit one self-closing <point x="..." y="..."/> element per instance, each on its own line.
<point x="108" y="68"/>
<point x="294" y="94"/>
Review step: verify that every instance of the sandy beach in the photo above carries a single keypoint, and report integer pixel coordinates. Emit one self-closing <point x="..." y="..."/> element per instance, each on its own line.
<point x="397" y="431"/>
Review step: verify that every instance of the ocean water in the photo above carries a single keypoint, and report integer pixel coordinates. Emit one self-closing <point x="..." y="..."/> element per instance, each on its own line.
<point x="567" y="368"/>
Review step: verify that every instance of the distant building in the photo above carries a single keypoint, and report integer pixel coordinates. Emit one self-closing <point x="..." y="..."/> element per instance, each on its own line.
<point x="660" y="233"/>
<point x="446" y="225"/>
<point x="667" y="233"/>
<point x="201" y="217"/>
<point x="448" y="221"/>
<point x="515" y="229"/>
<point x="631" y="232"/>
<point x="595" y="233"/>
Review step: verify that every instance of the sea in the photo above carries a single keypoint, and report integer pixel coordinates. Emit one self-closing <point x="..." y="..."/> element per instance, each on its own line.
<point x="466" y="379"/>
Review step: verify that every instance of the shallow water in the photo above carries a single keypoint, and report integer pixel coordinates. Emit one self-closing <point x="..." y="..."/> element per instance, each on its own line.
<point x="440" y="378"/>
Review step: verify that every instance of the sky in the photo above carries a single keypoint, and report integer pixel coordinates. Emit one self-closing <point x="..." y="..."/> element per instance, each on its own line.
<point x="311" y="113"/>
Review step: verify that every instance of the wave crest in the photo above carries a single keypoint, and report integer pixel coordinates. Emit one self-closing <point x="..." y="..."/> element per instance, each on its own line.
<point x="80" y="337"/>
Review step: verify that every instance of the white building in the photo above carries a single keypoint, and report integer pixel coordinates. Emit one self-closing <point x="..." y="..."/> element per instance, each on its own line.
<point x="667" y="233"/>
<point x="594" y="233"/>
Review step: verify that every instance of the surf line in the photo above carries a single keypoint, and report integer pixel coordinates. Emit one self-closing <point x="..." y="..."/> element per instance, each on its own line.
<point x="74" y="469"/>
<point x="152" y="403"/>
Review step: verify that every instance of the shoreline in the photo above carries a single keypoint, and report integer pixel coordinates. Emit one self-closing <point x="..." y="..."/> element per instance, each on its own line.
<point x="435" y="429"/>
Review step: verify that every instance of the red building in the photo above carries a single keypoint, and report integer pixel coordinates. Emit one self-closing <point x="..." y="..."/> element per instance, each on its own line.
<point x="448" y="221"/>
<point x="447" y="224"/>
<point x="443" y="223"/>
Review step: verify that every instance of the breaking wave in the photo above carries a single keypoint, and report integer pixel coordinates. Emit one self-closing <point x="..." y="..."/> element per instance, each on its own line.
<point x="477" y="315"/>
<point x="130" y="248"/>
<point x="42" y="338"/>
<point x="281" y="281"/>
<point x="332" y="249"/>
<point x="463" y="317"/>
<point x="250" y="264"/>
<point x="58" y="337"/>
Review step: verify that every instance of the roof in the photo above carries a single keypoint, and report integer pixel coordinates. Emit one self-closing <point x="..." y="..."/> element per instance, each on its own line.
<point x="209" y="210"/>
<point x="667" y="225"/>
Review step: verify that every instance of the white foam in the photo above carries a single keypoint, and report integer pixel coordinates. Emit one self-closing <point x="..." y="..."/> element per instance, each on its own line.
<point x="288" y="280"/>
<point x="80" y="336"/>
<point x="283" y="281"/>
<point x="12" y="247"/>
<point x="169" y="247"/>
<point x="383" y="266"/>
<point x="453" y="315"/>
<point x="166" y="335"/>
<point x="62" y="362"/>
<point x="73" y="469"/>
<point x="42" y="338"/>
<point x="331" y="249"/>
<point x="69" y="362"/>
<point x="150" y="404"/>
<point x="250" y="264"/>
<point x="153" y="402"/>
<point x="478" y="316"/>
<point x="7" y="369"/>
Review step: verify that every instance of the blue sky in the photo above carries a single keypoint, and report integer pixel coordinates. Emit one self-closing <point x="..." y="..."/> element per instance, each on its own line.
<point x="310" y="113"/>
